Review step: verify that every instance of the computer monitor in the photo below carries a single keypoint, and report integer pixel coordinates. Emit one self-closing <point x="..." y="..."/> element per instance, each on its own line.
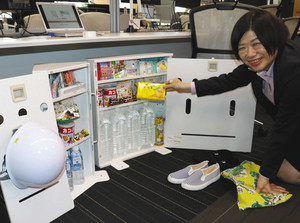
<point x="98" y="8"/>
<point x="149" y="2"/>
<point x="19" y="9"/>
<point x="60" y="17"/>
<point x="11" y="5"/>
<point x="187" y="3"/>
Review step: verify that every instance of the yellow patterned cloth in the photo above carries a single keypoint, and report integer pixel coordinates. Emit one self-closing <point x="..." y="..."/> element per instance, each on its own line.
<point x="245" y="178"/>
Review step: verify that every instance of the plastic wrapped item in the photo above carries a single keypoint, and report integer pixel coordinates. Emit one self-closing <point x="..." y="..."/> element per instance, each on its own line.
<point x="131" y="68"/>
<point x="124" y="89"/>
<point x="147" y="66"/>
<point x="110" y="94"/>
<point x="66" y="111"/>
<point x="119" y="69"/>
<point x="150" y="91"/>
<point x="162" y="65"/>
<point x="104" y="71"/>
<point x="80" y="135"/>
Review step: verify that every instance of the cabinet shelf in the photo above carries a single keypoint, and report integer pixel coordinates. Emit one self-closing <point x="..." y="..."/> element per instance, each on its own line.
<point x="70" y="95"/>
<point x="130" y="78"/>
<point x="78" y="142"/>
<point x="126" y="105"/>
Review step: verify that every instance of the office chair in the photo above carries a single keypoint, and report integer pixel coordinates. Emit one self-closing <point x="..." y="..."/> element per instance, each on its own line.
<point x="273" y="8"/>
<point x="124" y="21"/>
<point x="185" y="22"/>
<point x="95" y="21"/>
<point x="293" y="24"/>
<point x="34" y="24"/>
<point x="211" y="27"/>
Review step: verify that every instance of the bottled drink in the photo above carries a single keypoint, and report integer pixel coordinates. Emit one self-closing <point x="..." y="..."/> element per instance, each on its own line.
<point x="77" y="166"/>
<point x="159" y="129"/>
<point x="150" y="126"/>
<point x="69" y="172"/>
<point x="119" y="133"/>
<point x="147" y="126"/>
<point x="133" y="129"/>
<point x="143" y="128"/>
<point x="105" y="137"/>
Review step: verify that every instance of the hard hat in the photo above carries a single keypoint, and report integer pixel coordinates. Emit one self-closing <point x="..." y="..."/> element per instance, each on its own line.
<point x="35" y="156"/>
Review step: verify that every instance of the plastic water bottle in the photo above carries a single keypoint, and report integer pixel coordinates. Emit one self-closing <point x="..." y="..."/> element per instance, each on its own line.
<point x="77" y="166"/>
<point x="105" y="137"/>
<point x="119" y="133"/>
<point x="133" y="129"/>
<point x="68" y="167"/>
<point x="143" y="129"/>
<point x="150" y="126"/>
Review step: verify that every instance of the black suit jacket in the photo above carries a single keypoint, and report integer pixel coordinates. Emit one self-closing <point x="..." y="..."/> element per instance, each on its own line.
<point x="285" y="134"/>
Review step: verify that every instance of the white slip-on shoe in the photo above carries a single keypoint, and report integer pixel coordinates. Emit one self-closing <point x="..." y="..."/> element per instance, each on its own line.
<point x="179" y="176"/>
<point x="202" y="178"/>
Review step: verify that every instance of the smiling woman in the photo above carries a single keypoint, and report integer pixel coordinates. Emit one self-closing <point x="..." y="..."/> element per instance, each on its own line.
<point x="272" y="66"/>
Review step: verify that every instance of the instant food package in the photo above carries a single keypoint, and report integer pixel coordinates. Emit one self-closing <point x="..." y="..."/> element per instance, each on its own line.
<point x="150" y="91"/>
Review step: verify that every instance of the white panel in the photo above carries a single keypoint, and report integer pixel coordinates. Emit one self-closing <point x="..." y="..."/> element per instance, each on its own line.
<point x="209" y="125"/>
<point x="54" y="201"/>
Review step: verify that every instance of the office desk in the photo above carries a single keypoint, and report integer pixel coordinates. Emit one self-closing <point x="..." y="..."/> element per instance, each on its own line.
<point x="19" y="55"/>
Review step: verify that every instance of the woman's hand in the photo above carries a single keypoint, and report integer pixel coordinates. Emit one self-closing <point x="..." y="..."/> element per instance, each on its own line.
<point x="264" y="185"/>
<point x="177" y="85"/>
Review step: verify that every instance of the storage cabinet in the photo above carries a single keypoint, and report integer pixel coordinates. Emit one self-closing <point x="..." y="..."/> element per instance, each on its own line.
<point x="77" y="92"/>
<point x="110" y="73"/>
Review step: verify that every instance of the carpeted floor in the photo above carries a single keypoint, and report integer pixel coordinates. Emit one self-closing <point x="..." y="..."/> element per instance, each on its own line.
<point x="142" y="193"/>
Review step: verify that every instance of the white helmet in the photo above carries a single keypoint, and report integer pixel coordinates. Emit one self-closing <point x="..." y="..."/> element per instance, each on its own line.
<point x="35" y="156"/>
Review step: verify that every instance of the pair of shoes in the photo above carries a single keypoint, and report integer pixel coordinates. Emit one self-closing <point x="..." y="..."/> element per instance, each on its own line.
<point x="181" y="175"/>
<point x="202" y="178"/>
<point x="196" y="177"/>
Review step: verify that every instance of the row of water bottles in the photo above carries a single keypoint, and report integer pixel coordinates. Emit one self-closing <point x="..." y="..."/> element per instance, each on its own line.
<point x="126" y="131"/>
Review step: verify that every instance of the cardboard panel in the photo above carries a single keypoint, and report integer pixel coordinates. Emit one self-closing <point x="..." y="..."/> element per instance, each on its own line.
<point x="30" y="205"/>
<point x="223" y="121"/>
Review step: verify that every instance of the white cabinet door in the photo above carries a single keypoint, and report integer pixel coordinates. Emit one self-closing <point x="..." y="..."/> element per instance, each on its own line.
<point x="30" y="205"/>
<point x="223" y="121"/>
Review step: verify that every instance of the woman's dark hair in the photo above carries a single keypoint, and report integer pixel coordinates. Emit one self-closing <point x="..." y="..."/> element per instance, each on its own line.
<point x="269" y="29"/>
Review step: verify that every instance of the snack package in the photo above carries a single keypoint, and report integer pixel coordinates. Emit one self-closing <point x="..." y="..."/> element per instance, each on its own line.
<point x="162" y="65"/>
<point x="131" y="68"/>
<point x="147" y="66"/>
<point x="104" y="71"/>
<point x="68" y="78"/>
<point x="66" y="111"/>
<point x="80" y="135"/>
<point x="109" y="93"/>
<point x="55" y="86"/>
<point x="119" y="69"/>
<point x="124" y="89"/>
<point x="150" y="91"/>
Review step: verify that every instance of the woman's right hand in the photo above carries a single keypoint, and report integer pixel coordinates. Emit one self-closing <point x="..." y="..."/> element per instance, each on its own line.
<point x="264" y="185"/>
<point x="177" y="85"/>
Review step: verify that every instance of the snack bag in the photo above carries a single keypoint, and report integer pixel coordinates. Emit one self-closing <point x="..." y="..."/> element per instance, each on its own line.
<point x="66" y="111"/>
<point x="105" y="71"/>
<point x="162" y="65"/>
<point x="150" y="91"/>
<point x="131" y="68"/>
<point x="119" y="69"/>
